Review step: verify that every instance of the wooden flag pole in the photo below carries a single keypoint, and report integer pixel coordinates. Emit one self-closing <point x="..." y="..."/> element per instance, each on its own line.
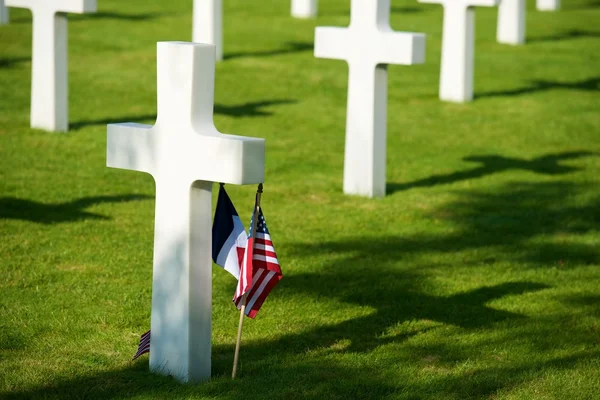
<point x="243" y="308"/>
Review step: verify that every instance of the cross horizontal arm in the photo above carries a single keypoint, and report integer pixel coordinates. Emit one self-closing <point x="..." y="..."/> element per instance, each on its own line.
<point x="331" y="43"/>
<point x="235" y="159"/>
<point x="72" y="6"/>
<point x="131" y="146"/>
<point x="404" y="48"/>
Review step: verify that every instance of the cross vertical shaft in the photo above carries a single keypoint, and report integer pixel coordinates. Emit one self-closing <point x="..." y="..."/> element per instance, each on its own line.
<point x="208" y="24"/>
<point x="511" y="22"/>
<point x="304" y="8"/>
<point x="4" y="14"/>
<point x="548" y="5"/>
<point x="49" y="75"/>
<point x="366" y="131"/>
<point x="182" y="281"/>
<point x="456" y="81"/>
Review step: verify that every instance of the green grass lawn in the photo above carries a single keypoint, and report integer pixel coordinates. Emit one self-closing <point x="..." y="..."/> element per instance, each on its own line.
<point x="476" y="277"/>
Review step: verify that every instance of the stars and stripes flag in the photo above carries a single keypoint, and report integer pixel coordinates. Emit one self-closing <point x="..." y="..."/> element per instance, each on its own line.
<point x="260" y="270"/>
<point x="228" y="235"/>
<point x="144" y="346"/>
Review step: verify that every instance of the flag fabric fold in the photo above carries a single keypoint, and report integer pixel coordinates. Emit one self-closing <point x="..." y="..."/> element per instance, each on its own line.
<point x="228" y="235"/>
<point x="144" y="346"/>
<point x="260" y="270"/>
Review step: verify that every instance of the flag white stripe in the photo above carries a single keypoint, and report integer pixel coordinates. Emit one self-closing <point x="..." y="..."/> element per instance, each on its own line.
<point x="263" y="247"/>
<point x="259" y="291"/>
<point x="255" y="279"/>
<point x="265" y="258"/>
<point x="264" y="236"/>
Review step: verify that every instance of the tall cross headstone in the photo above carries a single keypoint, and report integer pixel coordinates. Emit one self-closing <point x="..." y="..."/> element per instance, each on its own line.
<point x="304" y="8"/>
<point x="185" y="154"/>
<point x="4" y="15"/>
<point x="368" y="45"/>
<point x="458" y="47"/>
<point x="49" y="75"/>
<point x="548" y="5"/>
<point x="511" y="22"/>
<point x="208" y="24"/>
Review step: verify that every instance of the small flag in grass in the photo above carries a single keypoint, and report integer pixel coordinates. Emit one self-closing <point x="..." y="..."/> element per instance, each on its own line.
<point x="260" y="270"/>
<point x="144" y="346"/>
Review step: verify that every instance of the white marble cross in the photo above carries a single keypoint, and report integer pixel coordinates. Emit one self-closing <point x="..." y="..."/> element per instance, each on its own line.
<point x="456" y="80"/>
<point x="49" y="75"/>
<point x="368" y="45"/>
<point x="208" y="24"/>
<point x="548" y="5"/>
<point x="4" y="15"/>
<point x="185" y="154"/>
<point x="304" y="8"/>
<point x="511" y="22"/>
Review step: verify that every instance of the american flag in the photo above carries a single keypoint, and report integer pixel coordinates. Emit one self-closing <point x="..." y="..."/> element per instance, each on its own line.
<point x="260" y="270"/>
<point x="144" y="346"/>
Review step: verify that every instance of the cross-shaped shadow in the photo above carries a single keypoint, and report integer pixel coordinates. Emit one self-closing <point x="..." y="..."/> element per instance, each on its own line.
<point x="577" y="6"/>
<point x="391" y="295"/>
<point x="290" y="47"/>
<point x="406" y="10"/>
<point x="28" y="210"/>
<point x="567" y="35"/>
<point x="13" y="61"/>
<point x="548" y="164"/>
<point x="116" y="16"/>
<point x="591" y="84"/>
<point x="251" y="109"/>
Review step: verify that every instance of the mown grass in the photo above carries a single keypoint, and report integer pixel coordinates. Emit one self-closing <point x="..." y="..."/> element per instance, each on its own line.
<point x="476" y="277"/>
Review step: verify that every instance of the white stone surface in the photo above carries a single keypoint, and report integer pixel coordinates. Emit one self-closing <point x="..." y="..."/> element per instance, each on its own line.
<point x="368" y="45"/>
<point x="208" y="24"/>
<point x="185" y="154"/>
<point x="49" y="76"/>
<point x="548" y="5"/>
<point x="4" y="15"/>
<point x="304" y="8"/>
<point x="511" y="22"/>
<point x="456" y="80"/>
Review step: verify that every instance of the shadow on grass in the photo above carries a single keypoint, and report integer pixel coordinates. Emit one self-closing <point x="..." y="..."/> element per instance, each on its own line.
<point x="300" y="365"/>
<point x="567" y="35"/>
<point x="12" y="62"/>
<point x="406" y="10"/>
<point x="27" y="210"/>
<point x="334" y="360"/>
<point x="290" y="48"/>
<point x="537" y="223"/>
<point x="581" y="6"/>
<point x="493" y="164"/>
<point x="591" y="85"/>
<point x="115" y="16"/>
<point x="252" y="109"/>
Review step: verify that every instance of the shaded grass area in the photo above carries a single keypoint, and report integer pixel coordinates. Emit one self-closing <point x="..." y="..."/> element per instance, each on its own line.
<point x="476" y="277"/>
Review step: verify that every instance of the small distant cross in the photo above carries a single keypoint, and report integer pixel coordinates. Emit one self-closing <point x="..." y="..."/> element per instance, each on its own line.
<point x="458" y="47"/>
<point x="49" y="75"/>
<point x="368" y="45"/>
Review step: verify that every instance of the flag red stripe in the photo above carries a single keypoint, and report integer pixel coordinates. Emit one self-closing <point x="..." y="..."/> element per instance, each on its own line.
<point x="265" y="253"/>
<point x="263" y="296"/>
<point x="267" y="265"/>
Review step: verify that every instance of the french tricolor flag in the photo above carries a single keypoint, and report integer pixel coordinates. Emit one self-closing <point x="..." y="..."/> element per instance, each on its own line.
<point x="228" y="235"/>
